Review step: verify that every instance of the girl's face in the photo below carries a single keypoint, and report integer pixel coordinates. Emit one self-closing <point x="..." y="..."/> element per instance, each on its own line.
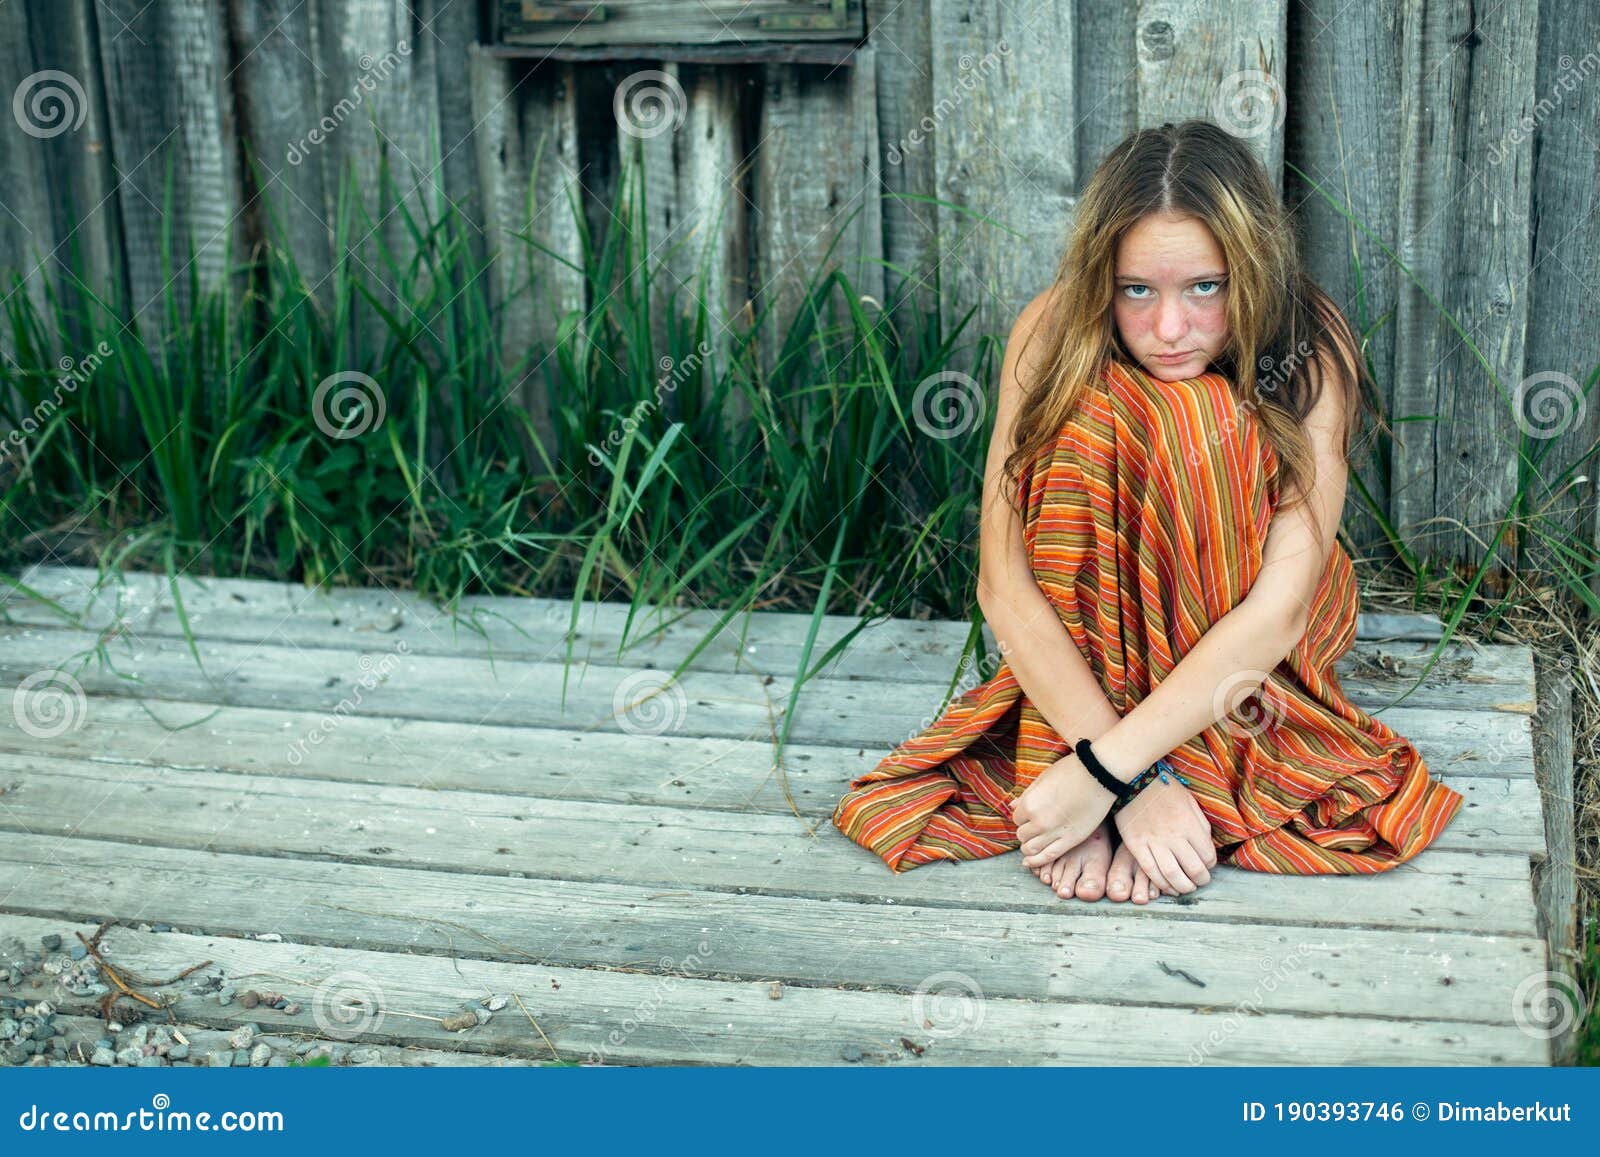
<point x="1169" y="298"/>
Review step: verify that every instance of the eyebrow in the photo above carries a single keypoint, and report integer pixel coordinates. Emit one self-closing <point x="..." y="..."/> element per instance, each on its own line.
<point x="1190" y="281"/>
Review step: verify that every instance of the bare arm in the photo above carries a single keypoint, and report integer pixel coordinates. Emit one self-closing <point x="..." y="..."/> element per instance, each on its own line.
<point x="1036" y="644"/>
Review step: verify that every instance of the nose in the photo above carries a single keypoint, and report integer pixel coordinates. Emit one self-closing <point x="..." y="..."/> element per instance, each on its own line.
<point x="1170" y="322"/>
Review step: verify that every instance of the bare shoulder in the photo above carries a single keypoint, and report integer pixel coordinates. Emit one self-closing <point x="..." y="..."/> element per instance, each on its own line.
<point x="1024" y="353"/>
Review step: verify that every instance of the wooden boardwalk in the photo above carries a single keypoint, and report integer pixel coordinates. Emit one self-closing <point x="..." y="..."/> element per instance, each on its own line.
<point x="399" y="803"/>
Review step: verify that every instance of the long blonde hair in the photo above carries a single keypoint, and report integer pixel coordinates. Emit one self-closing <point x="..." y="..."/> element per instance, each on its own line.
<point x="1286" y="338"/>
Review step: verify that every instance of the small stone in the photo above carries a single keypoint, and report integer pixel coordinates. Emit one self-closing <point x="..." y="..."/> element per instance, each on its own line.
<point x="850" y="1053"/>
<point x="260" y="1055"/>
<point x="113" y="1026"/>
<point x="140" y="1036"/>
<point x="483" y="1015"/>
<point x="51" y="941"/>
<point x="152" y="1062"/>
<point x="278" y="1063"/>
<point x="495" y="1003"/>
<point x="105" y="1042"/>
<point x="270" y="937"/>
<point x="43" y="1031"/>
<point x="79" y="952"/>
<point x="38" y="1062"/>
<point x="243" y="1036"/>
<point x="178" y="1053"/>
<point x="249" y="998"/>
<point x="226" y="995"/>
<point x="459" y="1021"/>
<point x="365" y="1056"/>
<point x="291" y="1009"/>
<point x="163" y="927"/>
<point x="8" y="1028"/>
<point x="103" y="1056"/>
<point x="241" y="1058"/>
<point x="129" y="1056"/>
<point x="220" y="1059"/>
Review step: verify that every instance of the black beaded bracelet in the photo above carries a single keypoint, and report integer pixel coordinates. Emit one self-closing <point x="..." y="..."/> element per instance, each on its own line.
<point x="1086" y="756"/>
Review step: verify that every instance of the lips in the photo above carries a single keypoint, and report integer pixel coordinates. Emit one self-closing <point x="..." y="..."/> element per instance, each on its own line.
<point x="1170" y="358"/>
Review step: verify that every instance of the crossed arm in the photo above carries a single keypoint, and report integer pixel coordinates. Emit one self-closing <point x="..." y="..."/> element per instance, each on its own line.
<point x="1259" y="632"/>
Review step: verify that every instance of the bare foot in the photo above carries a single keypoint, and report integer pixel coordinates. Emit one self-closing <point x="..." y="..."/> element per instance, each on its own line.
<point x="1126" y="879"/>
<point x="1080" y="871"/>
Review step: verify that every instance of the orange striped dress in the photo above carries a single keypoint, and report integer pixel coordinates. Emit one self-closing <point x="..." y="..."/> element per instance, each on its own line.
<point x="1145" y="524"/>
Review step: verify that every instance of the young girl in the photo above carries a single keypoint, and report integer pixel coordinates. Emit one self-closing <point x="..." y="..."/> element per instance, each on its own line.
<point x="1158" y="563"/>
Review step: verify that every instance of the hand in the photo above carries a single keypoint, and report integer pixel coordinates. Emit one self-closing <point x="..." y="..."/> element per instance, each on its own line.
<point x="1059" y="810"/>
<point x="1169" y="836"/>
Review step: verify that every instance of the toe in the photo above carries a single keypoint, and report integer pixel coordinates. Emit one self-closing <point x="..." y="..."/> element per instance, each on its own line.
<point x="1119" y="879"/>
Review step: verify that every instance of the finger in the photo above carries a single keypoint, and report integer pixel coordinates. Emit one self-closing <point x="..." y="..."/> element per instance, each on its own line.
<point x="1207" y="851"/>
<point x="1189" y="860"/>
<point x="1147" y="862"/>
<point x="1059" y="846"/>
<point x="1172" y="870"/>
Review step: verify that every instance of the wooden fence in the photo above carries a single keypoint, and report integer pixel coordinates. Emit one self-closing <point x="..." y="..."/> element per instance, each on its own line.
<point x="1457" y="142"/>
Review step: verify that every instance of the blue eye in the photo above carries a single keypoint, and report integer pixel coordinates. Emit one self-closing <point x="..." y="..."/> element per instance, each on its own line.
<point x="1129" y="290"/>
<point x="1200" y="288"/>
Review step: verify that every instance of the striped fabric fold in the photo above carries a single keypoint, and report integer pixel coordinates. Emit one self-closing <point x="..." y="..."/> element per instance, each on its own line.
<point x="1145" y="523"/>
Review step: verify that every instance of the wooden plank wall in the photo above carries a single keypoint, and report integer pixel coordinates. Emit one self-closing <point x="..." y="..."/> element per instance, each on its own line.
<point x="1462" y="136"/>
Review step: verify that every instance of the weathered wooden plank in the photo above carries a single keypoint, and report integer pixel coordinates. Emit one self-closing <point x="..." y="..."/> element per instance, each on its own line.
<point x="1006" y="157"/>
<point x="1344" y="136"/>
<point x="1106" y="69"/>
<point x="56" y="181"/>
<point x="906" y="106"/>
<point x="646" y="22"/>
<point x="776" y="854"/>
<point x="601" y="768"/>
<point x="526" y="134"/>
<point x="685" y="131"/>
<point x="618" y="1017"/>
<point x="456" y="29"/>
<point x="27" y="233"/>
<point x="1067" y="955"/>
<point x="1563" y="314"/>
<point x="1555" y="880"/>
<point x="635" y="701"/>
<point x="1216" y="59"/>
<point x="171" y="112"/>
<point x="816" y="186"/>
<point x="377" y="82"/>
<point x="1465" y="234"/>
<point x="276" y="88"/>
<point x="901" y="650"/>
